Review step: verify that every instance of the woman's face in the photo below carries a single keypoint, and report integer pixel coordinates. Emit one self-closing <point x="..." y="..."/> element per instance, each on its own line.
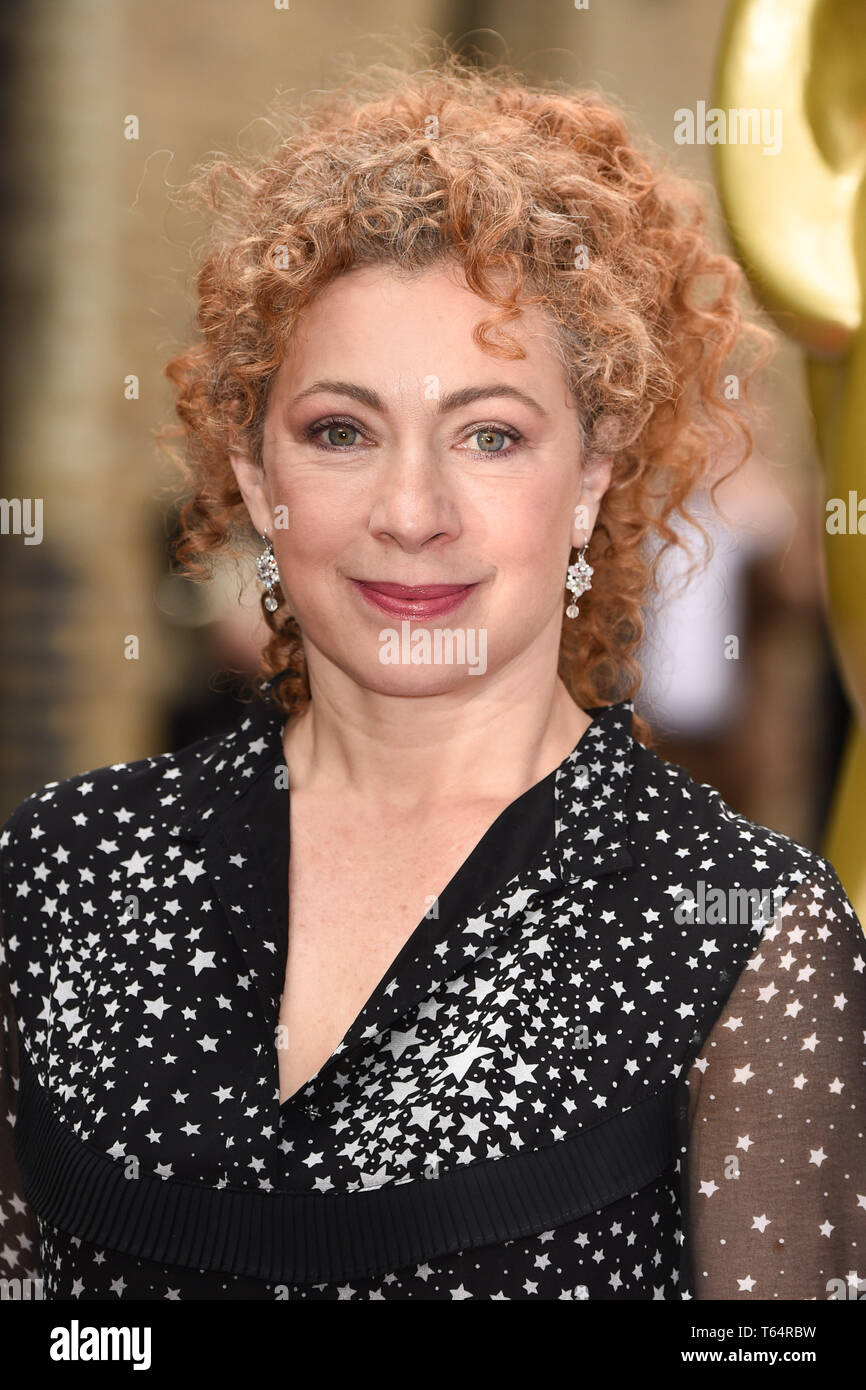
<point x="397" y="452"/>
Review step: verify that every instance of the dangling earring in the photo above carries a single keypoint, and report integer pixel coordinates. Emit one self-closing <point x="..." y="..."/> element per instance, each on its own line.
<point x="579" y="580"/>
<point x="266" y="564"/>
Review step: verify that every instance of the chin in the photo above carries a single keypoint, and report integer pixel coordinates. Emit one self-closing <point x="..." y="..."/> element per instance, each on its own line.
<point x="410" y="682"/>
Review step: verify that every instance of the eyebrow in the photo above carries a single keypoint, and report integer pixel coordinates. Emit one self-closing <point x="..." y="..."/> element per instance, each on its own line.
<point x="454" y="400"/>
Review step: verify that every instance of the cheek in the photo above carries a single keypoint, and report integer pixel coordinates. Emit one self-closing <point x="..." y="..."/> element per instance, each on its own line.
<point x="318" y="523"/>
<point x="531" y="547"/>
<point x="532" y="531"/>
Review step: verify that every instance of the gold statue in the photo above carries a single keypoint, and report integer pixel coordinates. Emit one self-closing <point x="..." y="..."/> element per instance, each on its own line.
<point x="791" y="78"/>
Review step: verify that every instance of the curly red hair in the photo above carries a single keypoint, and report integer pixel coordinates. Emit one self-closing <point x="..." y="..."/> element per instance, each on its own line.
<point x="542" y="197"/>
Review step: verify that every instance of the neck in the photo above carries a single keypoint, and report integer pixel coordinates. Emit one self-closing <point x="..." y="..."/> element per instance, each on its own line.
<point x="411" y="753"/>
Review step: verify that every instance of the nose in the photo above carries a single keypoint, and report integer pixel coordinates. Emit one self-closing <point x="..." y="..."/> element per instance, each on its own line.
<point x="412" y="501"/>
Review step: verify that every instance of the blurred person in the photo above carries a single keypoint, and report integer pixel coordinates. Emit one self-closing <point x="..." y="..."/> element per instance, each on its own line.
<point x="735" y="652"/>
<point x="695" y="652"/>
<point x="230" y="635"/>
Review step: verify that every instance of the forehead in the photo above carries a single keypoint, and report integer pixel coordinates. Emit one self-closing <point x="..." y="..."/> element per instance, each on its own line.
<point x="420" y="320"/>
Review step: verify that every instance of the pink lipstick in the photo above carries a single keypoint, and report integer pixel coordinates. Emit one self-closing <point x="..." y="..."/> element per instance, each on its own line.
<point x="418" y="601"/>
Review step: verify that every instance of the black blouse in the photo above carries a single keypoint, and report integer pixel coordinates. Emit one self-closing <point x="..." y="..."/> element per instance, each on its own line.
<point x="623" y="1055"/>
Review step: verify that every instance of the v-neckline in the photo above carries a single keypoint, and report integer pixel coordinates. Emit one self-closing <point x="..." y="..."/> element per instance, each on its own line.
<point x="237" y="806"/>
<point x="519" y="834"/>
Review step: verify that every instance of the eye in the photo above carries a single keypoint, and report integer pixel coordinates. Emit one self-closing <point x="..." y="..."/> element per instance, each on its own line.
<point x="492" y="439"/>
<point x="340" y="435"/>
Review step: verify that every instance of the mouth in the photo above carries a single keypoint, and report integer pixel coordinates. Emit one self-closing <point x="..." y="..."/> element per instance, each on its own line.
<point x="419" y="601"/>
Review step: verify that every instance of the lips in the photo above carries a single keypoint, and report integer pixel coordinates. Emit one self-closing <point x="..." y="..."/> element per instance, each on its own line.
<point x="412" y="591"/>
<point x="418" y="601"/>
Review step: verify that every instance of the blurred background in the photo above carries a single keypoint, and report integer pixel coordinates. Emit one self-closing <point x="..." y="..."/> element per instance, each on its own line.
<point x="104" y="655"/>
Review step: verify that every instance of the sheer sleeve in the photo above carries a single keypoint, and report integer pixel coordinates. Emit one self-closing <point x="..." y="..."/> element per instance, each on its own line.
<point x="19" y="1231"/>
<point x="776" y="1157"/>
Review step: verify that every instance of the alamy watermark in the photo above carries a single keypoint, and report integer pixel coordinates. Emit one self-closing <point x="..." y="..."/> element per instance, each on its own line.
<point x="22" y="516"/>
<point x="17" y="1290"/>
<point x="846" y="517"/>
<point x="736" y="906"/>
<point x="740" y="125"/>
<point x="77" y="1343"/>
<point x="444" y="646"/>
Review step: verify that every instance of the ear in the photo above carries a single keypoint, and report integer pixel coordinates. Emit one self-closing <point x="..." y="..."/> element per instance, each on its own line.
<point x="250" y="478"/>
<point x="595" y="481"/>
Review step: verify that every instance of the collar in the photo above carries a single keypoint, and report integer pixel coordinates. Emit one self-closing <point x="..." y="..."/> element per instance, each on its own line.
<point x="593" y="790"/>
<point x="234" y="789"/>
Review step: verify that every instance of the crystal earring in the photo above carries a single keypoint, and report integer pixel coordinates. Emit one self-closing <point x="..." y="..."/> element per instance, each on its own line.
<point x="579" y="580"/>
<point x="266" y="564"/>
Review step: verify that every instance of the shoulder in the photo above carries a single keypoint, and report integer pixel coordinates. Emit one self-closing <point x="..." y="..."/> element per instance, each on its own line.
<point x="669" y="808"/>
<point x="76" y="855"/>
<point x="725" y="893"/>
<point x="78" y="800"/>
<point x="80" y="819"/>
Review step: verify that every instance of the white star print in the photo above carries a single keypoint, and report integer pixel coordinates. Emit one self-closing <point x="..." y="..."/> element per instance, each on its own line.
<point x="477" y="1049"/>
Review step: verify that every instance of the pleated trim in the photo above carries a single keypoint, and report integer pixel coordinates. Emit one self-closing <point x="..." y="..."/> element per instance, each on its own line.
<point x="316" y="1238"/>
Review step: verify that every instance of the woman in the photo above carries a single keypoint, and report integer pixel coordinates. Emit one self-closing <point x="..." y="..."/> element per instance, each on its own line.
<point x="429" y="979"/>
